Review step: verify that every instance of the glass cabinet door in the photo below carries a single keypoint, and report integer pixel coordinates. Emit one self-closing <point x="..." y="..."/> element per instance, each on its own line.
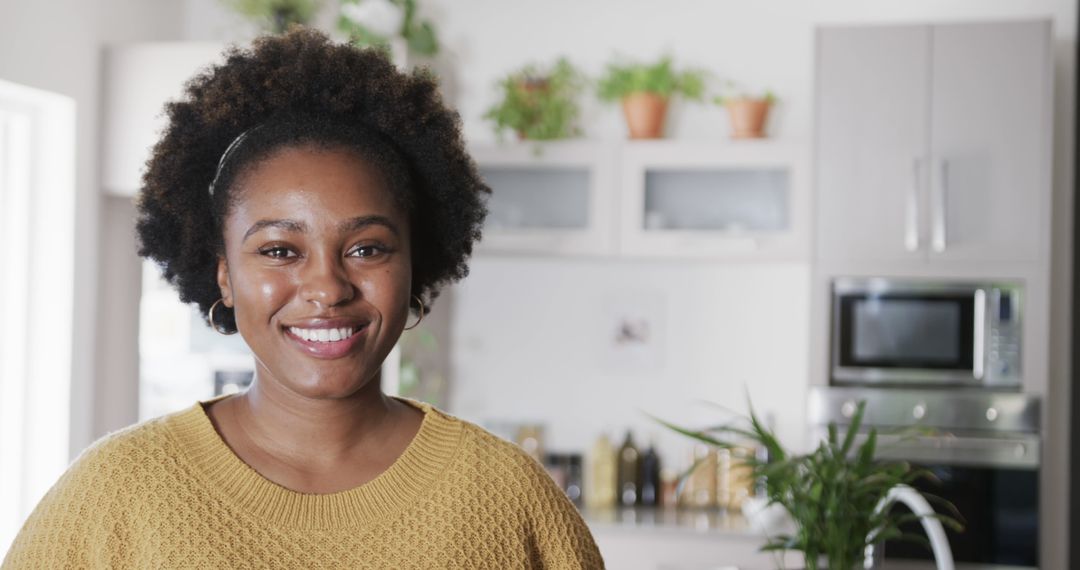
<point x="735" y="199"/>
<point x="552" y="198"/>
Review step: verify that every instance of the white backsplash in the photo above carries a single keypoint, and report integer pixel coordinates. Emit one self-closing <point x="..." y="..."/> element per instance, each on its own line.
<point x="535" y="340"/>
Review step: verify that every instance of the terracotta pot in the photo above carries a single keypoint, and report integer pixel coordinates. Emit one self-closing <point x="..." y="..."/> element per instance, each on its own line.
<point x="645" y="114"/>
<point x="748" y="117"/>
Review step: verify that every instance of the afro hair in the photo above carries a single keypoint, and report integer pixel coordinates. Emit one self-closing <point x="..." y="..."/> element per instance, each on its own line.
<point x="302" y="88"/>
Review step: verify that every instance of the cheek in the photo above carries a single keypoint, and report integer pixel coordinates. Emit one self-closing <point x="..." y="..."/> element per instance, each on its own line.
<point x="388" y="289"/>
<point x="261" y="292"/>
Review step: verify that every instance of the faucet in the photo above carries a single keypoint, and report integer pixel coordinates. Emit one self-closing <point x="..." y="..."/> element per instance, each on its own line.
<point x="911" y="498"/>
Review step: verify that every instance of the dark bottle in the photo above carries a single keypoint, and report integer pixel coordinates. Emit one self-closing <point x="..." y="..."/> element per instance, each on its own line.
<point x="629" y="472"/>
<point x="574" y="479"/>
<point x="650" y="477"/>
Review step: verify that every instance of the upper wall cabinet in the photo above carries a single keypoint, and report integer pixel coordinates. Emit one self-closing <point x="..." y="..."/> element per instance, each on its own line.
<point x="138" y="80"/>
<point x="728" y="200"/>
<point x="555" y="198"/>
<point x="934" y="142"/>
<point x="739" y="199"/>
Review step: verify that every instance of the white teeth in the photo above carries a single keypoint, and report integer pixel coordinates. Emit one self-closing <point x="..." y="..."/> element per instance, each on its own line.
<point x="322" y="335"/>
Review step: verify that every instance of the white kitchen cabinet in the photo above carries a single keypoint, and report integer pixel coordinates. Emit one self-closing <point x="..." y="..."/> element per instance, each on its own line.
<point x="554" y="198"/>
<point x="717" y="200"/>
<point x="137" y="81"/>
<point x="730" y="200"/>
<point x="990" y="139"/>
<point x="933" y="142"/>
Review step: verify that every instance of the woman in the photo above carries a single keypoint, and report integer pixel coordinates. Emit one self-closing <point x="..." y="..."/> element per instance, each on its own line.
<point x="307" y="195"/>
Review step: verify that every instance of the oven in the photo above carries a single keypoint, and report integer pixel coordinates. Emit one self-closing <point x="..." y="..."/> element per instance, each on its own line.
<point x="906" y="332"/>
<point x="983" y="447"/>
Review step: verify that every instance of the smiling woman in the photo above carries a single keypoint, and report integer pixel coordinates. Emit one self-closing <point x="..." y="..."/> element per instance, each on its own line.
<point x="308" y="195"/>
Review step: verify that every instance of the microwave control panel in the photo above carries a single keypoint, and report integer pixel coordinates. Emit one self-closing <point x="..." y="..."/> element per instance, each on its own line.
<point x="1003" y="338"/>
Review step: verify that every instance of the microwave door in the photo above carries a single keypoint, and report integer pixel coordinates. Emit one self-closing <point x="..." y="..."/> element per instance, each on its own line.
<point x="909" y="337"/>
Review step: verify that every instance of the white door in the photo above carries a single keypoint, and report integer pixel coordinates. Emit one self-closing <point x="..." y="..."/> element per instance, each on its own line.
<point x="872" y="169"/>
<point x="990" y="139"/>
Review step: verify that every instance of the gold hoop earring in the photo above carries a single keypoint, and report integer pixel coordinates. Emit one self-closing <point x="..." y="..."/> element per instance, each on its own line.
<point x="213" y="325"/>
<point x="421" y="303"/>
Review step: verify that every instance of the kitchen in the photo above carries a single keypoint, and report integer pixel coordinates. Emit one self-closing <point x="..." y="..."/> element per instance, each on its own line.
<point x="536" y="345"/>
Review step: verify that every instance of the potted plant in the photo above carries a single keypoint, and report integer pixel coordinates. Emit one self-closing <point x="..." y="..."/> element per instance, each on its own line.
<point x="748" y="112"/>
<point x="539" y="103"/>
<point x="379" y="23"/>
<point x="276" y="15"/>
<point x="836" y="495"/>
<point x="644" y="91"/>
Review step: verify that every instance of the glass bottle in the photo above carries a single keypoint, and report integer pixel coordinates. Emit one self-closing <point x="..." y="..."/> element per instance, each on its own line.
<point x="650" y="476"/>
<point x="603" y="466"/>
<point x="629" y="472"/>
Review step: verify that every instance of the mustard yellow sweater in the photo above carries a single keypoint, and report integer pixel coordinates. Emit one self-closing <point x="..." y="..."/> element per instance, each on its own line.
<point x="169" y="493"/>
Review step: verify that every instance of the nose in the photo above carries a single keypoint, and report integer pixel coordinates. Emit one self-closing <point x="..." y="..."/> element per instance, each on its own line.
<point x="325" y="282"/>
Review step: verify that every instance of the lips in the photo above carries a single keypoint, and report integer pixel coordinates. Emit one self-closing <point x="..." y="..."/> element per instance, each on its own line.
<point x="326" y="338"/>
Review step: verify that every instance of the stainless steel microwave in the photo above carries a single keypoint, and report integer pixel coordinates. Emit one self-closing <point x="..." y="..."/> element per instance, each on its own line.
<point x="926" y="332"/>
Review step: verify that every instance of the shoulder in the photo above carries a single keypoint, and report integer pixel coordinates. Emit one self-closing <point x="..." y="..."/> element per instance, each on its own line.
<point x="506" y="466"/>
<point x="91" y="501"/>
<point x="511" y="478"/>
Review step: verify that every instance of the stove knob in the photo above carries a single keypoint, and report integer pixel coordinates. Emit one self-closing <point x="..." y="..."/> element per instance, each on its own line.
<point x="991" y="414"/>
<point x="919" y="411"/>
<point x="847" y="409"/>
<point x="1020" y="451"/>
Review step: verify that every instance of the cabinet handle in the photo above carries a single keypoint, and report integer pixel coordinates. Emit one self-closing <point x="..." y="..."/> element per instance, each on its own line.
<point x="911" y="218"/>
<point x="939" y="222"/>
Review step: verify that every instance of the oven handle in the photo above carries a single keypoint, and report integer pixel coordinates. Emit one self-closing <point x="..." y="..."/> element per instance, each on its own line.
<point x="1018" y="451"/>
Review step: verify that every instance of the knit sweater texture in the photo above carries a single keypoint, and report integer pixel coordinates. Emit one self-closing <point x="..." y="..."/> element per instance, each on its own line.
<point x="169" y="493"/>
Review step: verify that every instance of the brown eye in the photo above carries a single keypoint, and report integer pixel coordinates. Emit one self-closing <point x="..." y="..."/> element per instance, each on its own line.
<point x="367" y="251"/>
<point x="276" y="252"/>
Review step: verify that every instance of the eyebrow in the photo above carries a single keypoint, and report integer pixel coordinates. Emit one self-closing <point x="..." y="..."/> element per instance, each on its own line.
<point x="296" y="226"/>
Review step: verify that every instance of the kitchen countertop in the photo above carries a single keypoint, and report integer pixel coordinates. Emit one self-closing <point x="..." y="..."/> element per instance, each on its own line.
<point x="667" y="519"/>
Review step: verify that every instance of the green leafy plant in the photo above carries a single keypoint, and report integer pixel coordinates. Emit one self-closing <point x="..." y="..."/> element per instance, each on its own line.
<point x="372" y="23"/>
<point x="730" y="91"/>
<point x="276" y="15"/>
<point x="624" y="78"/>
<point x="830" y="493"/>
<point x="539" y="104"/>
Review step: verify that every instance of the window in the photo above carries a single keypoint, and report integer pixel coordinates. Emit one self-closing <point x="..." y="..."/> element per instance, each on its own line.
<point x="37" y="214"/>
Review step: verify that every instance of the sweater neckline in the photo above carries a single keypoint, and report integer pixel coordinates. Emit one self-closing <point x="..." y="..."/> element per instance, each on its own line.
<point x="237" y="483"/>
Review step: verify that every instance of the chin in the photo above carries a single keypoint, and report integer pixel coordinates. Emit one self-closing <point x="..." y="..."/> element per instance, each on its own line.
<point x="324" y="388"/>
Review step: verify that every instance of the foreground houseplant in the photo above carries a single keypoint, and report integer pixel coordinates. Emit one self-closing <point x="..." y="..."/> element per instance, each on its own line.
<point x="644" y="91"/>
<point x="832" y="494"/>
<point x="539" y="103"/>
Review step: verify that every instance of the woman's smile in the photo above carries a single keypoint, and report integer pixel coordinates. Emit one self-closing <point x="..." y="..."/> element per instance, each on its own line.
<point x="332" y="338"/>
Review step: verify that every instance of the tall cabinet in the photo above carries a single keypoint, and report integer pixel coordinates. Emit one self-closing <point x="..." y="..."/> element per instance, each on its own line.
<point x="933" y="159"/>
<point x="933" y="142"/>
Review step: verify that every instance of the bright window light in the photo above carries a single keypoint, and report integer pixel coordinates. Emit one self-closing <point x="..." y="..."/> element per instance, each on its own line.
<point x="37" y="218"/>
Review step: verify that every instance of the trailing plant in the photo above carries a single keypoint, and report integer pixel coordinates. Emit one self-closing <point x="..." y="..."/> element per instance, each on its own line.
<point x="830" y="493"/>
<point x="621" y="79"/>
<point x="372" y="23"/>
<point x="539" y="103"/>
<point x="276" y="15"/>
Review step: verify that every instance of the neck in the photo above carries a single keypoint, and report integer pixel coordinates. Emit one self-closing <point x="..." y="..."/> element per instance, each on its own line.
<point x="313" y="431"/>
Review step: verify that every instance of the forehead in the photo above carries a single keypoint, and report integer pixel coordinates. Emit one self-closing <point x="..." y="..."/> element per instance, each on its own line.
<point x="323" y="183"/>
